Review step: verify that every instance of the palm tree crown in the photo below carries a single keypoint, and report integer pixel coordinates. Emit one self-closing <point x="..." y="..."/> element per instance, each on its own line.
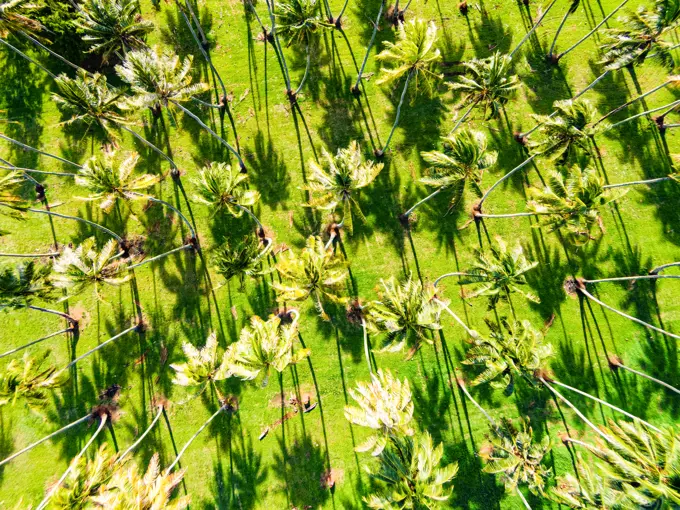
<point x="14" y="17"/>
<point x="334" y="186"/>
<point x="413" y="54"/>
<point x="12" y="204"/>
<point x="113" y="26"/>
<point x="264" y="345"/>
<point x="242" y="258"/>
<point x="411" y="471"/>
<point x="488" y="82"/>
<point x="156" y="78"/>
<point x="572" y="203"/>
<point x="299" y="21"/>
<point x="21" y="284"/>
<point x="463" y="160"/>
<point x="406" y="312"/>
<point x="109" y="179"/>
<point x="385" y="406"/>
<point x="223" y="189"/>
<point x="202" y="365"/>
<point x="29" y="379"/>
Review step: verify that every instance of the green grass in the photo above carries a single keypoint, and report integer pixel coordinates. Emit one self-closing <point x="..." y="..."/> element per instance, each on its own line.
<point x="228" y="466"/>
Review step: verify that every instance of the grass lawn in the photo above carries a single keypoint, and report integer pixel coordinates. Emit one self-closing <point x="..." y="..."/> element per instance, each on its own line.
<point x="228" y="466"/>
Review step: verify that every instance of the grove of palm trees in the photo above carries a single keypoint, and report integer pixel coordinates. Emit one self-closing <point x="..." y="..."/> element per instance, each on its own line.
<point x="326" y="254"/>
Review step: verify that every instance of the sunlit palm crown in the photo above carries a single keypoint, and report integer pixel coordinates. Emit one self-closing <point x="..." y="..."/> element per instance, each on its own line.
<point x="385" y="406"/>
<point x="488" y="82"/>
<point x="15" y="17"/>
<point x="241" y="258"/>
<point x="413" y="53"/>
<point x="574" y="202"/>
<point x="108" y="179"/>
<point x="11" y="204"/>
<point x="335" y="182"/>
<point x="113" y="26"/>
<point x="299" y="21"/>
<point x="20" y="284"/>
<point x="406" y="312"/>
<point x="264" y="345"/>
<point x="202" y="365"/>
<point x="223" y="189"/>
<point x="411" y="470"/>
<point x="29" y="379"/>
<point x="155" y="78"/>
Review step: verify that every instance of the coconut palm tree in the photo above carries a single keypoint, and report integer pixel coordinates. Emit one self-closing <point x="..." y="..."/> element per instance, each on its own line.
<point x="300" y="22"/>
<point x="589" y="489"/>
<point x="90" y="100"/>
<point x="223" y="189"/>
<point x="407" y="312"/>
<point x="572" y="9"/>
<point x="108" y="179"/>
<point x="202" y="367"/>
<point x="80" y="267"/>
<point x="572" y="204"/>
<point x="264" y="345"/>
<point x="243" y="258"/>
<point x="412" y="57"/>
<point x="516" y="349"/>
<point x="487" y="83"/>
<point x="463" y="161"/>
<point x="512" y="453"/>
<point x="643" y="32"/>
<point x="334" y="184"/>
<point x="385" y="406"/>
<point x="498" y="272"/>
<point x="376" y="27"/>
<point x="411" y="474"/>
<point x="113" y="27"/>
<point x="131" y="488"/>
<point x="616" y="363"/>
<point x="30" y="380"/>
<point x="569" y="132"/>
<point x="316" y="273"/>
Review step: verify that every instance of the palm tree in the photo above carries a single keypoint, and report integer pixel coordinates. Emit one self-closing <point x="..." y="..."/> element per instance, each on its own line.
<point x="488" y="83"/>
<point x="80" y="267"/>
<point x="30" y="380"/>
<point x="223" y="189"/>
<point x="408" y="313"/>
<point x="376" y="27"/>
<point x="572" y="204"/>
<point x="300" y="23"/>
<point x="463" y="161"/>
<point x="411" y="473"/>
<point x="90" y="100"/>
<point x="243" y="258"/>
<point x="109" y="179"/>
<point x="589" y="489"/>
<point x="202" y="367"/>
<point x="264" y="345"/>
<point x="156" y="78"/>
<point x="499" y="272"/>
<point x="130" y="488"/>
<point x="516" y="349"/>
<point x="315" y="273"/>
<point x="113" y="27"/>
<point x="638" y="468"/>
<point x="385" y="406"/>
<point x="569" y="132"/>
<point x="345" y="175"/>
<point x="572" y="9"/>
<point x="412" y="56"/>
<point x="15" y="18"/>
<point x="616" y="363"/>
<point x="643" y="31"/>
<point x="512" y="453"/>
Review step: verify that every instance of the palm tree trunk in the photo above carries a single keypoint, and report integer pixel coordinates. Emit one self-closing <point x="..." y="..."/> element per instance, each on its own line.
<point x="150" y="146"/>
<point x="448" y="275"/>
<point x="637" y="183"/>
<point x="252" y="215"/>
<point x="22" y="54"/>
<point x="46" y="438"/>
<point x="628" y="103"/>
<point x="366" y="349"/>
<point x="633" y="278"/>
<point x="455" y="317"/>
<point x="557" y="32"/>
<point x="338" y="20"/>
<point x="51" y="335"/>
<point x="169" y="206"/>
<point x="215" y="135"/>
<point x="463" y="387"/>
<point x="191" y="439"/>
<point x="73" y="463"/>
<point x="649" y="377"/>
<point x="605" y="403"/>
<point x="30" y="255"/>
<point x="538" y="22"/>
<point x="658" y="269"/>
<point x="28" y="147"/>
<point x="277" y="45"/>
<point x="355" y="88"/>
<point x="629" y="317"/>
<point x="144" y="434"/>
<point x="421" y="202"/>
<point x="100" y="346"/>
<point x="396" y="118"/>
<point x="510" y="215"/>
<point x="70" y="319"/>
<point x="304" y="76"/>
<point x="76" y="218"/>
<point x="54" y="54"/>
<point x="670" y="106"/>
<point x="465" y="116"/>
<point x="502" y="179"/>
<point x="597" y="27"/>
<point x="34" y="171"/>
<point x="521" y="496"/>
<point x="157" y="257"/>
